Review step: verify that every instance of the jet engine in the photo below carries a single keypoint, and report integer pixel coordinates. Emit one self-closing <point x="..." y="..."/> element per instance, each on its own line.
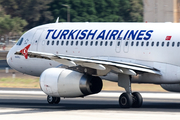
<point x="60" y="82"/>
<point x="171" y="87"/>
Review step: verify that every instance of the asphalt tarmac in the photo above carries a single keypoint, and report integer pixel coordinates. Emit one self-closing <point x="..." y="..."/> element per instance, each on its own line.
<point x="31" y="104"/>
<point x="3" y="64"/>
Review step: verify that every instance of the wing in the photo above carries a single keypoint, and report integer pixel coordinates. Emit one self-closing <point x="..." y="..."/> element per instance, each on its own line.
<point x="97" y="64"/>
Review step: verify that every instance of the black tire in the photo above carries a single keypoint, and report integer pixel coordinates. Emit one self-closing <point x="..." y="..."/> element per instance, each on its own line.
<point x="125" y="100"/>
<point x="51" y="99"/>
<point x="57" y="100"/>
<point x="137" y="100"/>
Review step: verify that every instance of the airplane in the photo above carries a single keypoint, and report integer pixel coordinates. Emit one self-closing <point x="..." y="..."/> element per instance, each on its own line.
<point x="73" y="58"/>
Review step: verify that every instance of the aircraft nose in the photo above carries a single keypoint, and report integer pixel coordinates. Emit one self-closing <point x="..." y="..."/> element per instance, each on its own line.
<point x="9" y="57"/>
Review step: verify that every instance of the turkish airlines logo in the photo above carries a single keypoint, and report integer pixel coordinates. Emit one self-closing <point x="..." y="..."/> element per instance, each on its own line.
<point x="25" y="51"/>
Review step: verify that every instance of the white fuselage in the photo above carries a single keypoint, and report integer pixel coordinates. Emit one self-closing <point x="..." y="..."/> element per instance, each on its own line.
<point x="152" y="44"/>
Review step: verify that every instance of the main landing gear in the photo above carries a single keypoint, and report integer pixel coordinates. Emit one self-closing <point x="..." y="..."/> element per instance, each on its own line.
<point x="128" y="99"/>
<point x="53" y="100"/>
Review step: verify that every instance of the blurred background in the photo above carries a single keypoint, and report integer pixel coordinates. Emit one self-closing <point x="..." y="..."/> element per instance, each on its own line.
<point x="18" y="16"/>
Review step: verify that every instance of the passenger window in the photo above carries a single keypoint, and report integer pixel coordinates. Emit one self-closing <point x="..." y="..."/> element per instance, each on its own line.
<point x="132" y="43"/>
<point x="81" y="43"/>
<point x="137" y="43"/>
<point x="67" y="42"/>
<point x="101" y="43"/>
<point x="111" y="43"/>
<point x="48" y="42"/>
<point x="72" y="43"/>
<point x="152" y="44"/>
<point x="96" y="43"/>
<point x="76" y="43"/>
<point x="126" y="44"/>
<point x="157" y="44"/>
<point x="106" y="43"/>
<point x="142" y="43"/>
<point x="91" y="43"/>
<point x="118" y="44"/>
<point x="147" y="44"/>
<point x="57" y="43"/>
<point x="162" y="44"/>
<point x="62" y="43"/>
<point x="178" y="44"/>
<point x="172" y="44"/>
<point x="52" y="42"/>
<point x="86" y="43"/>
<point x="167" y="44"/>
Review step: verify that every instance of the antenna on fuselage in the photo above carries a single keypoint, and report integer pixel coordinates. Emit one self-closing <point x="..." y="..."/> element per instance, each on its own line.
<point x="57" y="20"/>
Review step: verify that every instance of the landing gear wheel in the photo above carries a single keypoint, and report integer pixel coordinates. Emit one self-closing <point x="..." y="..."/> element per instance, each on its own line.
<point x="57" y="100"/>
<point x="125" y="100"/>
<point x="137" y="100"/>
<point x="51" y="99"/>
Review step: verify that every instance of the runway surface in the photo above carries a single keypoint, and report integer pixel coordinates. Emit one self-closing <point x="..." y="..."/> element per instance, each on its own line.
<point x="30" y="104"/>
<point x="3" y="64"/>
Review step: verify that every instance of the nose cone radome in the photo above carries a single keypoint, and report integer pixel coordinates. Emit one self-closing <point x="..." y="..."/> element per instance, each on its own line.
<point x="9" y="57"/>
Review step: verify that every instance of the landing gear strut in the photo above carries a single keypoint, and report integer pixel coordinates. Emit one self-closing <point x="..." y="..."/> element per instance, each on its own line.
<point x="128" y="99"/>
<point x="53" y="100"/>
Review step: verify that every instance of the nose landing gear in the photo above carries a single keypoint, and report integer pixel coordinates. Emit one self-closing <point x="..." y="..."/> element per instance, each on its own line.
<point x="53" y="100"/>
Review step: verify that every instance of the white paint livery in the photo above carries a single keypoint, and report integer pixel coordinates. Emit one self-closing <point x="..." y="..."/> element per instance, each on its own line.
<point x="134" y="52"/>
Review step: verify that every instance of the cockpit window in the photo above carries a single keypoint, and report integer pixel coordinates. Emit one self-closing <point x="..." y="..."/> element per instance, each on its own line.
<point x="20" y="41"/>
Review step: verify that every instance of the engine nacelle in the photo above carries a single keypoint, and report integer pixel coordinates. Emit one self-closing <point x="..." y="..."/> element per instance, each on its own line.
<point x="171" y="87"/>
<point x="59" y="82"/>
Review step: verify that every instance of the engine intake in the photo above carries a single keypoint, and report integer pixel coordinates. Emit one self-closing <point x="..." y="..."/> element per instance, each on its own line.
<point x="60" y="82"/>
